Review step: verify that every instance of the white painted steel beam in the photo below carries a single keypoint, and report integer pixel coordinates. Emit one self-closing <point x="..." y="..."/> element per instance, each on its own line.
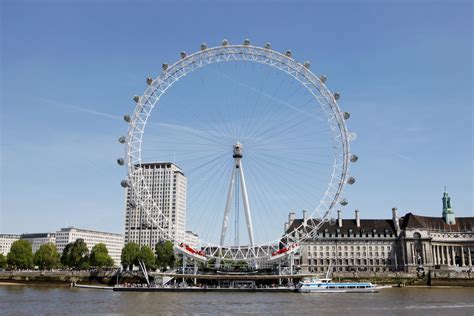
<point x="245" y="198"/>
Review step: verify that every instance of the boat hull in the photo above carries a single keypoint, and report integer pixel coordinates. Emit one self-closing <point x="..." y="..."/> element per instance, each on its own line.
<point x="373" y="289"/>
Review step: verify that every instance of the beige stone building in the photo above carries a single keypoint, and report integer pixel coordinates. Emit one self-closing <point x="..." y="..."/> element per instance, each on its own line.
<point x="409" y="243"/>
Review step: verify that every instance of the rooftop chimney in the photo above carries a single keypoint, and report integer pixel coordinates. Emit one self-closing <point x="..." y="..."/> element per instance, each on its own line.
<point x="357" y="218"/>
<point x="396" y="223"/>
<point x="291" y="218"/>
<point x="305" y="216"/>
<point x="339" y="219"/>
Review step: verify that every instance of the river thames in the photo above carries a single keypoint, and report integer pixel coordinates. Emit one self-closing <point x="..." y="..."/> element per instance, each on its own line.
<point x="55" y="300"/>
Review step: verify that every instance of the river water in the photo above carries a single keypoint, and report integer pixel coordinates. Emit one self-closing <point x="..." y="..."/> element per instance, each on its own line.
<point x="57" y="300"/>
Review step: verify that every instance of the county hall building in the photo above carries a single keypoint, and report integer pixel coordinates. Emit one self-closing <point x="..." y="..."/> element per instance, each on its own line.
<point x="409" y="243"/>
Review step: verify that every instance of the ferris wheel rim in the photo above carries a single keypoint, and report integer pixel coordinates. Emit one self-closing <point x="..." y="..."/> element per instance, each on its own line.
<point x="282" y="62"/>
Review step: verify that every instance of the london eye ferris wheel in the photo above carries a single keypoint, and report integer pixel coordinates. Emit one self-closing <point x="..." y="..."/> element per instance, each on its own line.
<point x="257" y="135"/>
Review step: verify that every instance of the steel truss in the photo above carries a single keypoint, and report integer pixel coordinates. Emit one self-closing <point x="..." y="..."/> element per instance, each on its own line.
<point x="206" y="56"/>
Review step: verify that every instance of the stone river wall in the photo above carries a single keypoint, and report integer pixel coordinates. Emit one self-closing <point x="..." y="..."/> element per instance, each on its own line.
<point x="433" y="278"/>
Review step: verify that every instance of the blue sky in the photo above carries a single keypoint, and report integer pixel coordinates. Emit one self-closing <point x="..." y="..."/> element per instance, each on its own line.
<point x="69" y="70"/>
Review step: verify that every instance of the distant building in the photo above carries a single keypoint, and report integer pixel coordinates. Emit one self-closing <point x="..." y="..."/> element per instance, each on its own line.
<point x="36" y="240"/>
<point x="191" y="239"/>
<point x="407" y="244"/>
<point x="113" y="242"/>
<point x="167" y="184"/>
<point x="6" y="241"/>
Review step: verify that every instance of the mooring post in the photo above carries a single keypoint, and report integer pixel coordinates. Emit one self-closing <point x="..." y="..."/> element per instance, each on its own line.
<point x="195" y="271"/>
<point x="184" y="267"/>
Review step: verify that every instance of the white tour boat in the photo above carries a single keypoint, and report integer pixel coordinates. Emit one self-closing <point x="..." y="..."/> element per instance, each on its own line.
<point x="325" y="285"/>
<point x="310" y="285"/>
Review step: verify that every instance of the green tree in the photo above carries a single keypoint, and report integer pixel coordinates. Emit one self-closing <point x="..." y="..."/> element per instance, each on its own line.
<point x="147" y="256"/>
<point x="211" y="263"/>
<point x="3" y="261"/>
<point x="65" y="255"/>
<point x="76" y="255"/>
<point x="242" y="264"/>
<point x="100" y="257"/>
<point x="129" y="255"/>
<point x="165" y="254"/>
<point x="47" y="257"/>
<point x="20" y="255"/>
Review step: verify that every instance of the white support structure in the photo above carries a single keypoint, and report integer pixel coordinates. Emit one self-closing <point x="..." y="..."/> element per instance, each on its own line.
<point x="145" y="273"/>
<point x="230" y="194"/>
<point x="283" y="62"/>
<point x="238" y="148"/>
<point x="245" y="198"/>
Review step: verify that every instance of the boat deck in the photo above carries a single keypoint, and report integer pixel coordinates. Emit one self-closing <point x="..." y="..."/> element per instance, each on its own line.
<point x="202" y="289"/>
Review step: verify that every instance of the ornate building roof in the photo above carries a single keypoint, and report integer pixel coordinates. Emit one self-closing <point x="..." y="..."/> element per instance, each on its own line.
<point x="366" y="226"/>
<point x="409" y="221"/>
<point x="412" y="221"/>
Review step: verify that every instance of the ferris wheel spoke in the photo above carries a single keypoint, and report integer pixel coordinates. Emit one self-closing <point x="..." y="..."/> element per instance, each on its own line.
<point x="275" y="128"/>
<point x="286" y="138"/>
<point x="195" y="165"/>
<point x="291" y="160"/>
<point x="205" y="178"/>
<point x="251" y="112"/>
<point x="259" y="92"/>
<point x="211" y="139"/>
<point x="269" y="205"/>
<point x="264" y="163"/>
<point x="294" y="188"/>
<point x="291" y="172"/>
<point x="204" y="212"/>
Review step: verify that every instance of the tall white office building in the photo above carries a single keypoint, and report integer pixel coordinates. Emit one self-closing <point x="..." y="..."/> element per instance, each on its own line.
<point x="167" y="185"/>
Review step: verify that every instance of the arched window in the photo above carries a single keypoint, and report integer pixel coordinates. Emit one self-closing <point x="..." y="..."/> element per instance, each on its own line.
<point x="419" y="260"/>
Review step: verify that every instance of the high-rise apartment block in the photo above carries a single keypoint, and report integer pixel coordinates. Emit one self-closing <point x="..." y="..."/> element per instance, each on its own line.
<point x="167" y="185"/>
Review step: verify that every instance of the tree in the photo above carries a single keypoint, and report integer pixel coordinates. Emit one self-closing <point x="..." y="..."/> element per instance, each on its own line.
<point x="76" y="255"/>
<point x="3" y="261"/>
<point x="65" y="255"/>
<point x="165" y="254"/>
<point x="211" y="263"/>
<point x="129" y="255"/>
<point x="241" y="265"/>
<point x="46" y="257"/>
<point x="147" y="256"/>
<point x="20" y="255"/>
<point x="100" y="257"/>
